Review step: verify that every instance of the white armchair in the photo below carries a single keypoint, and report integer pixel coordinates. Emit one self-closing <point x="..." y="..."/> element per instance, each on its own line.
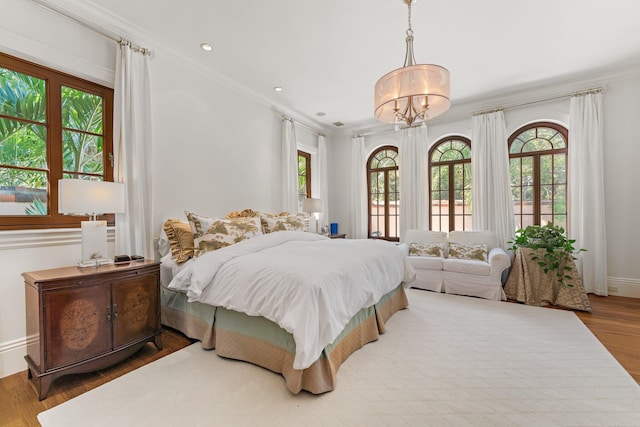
<point x="476" y="271"/>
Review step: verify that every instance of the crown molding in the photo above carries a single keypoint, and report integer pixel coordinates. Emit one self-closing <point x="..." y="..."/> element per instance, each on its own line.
<point x="95" y="14"/>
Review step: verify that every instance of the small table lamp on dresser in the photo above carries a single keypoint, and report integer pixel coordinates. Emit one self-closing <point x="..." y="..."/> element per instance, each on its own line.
<point x="313" y="206"/>
<point x="91" y="198"/>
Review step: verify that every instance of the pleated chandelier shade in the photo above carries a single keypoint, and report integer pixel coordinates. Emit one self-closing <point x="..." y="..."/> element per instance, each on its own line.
<point x="415" y="92"/>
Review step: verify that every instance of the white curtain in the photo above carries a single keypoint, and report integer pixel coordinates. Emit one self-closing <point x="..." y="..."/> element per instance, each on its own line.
<point x="132" y="150"/>
<point x="412" y="155"/>
<point x="289" y="167"/>
<point x="359" y="224"/>
<point x="492" y="202"/>
<point x="323" y="180"/>
<point x="586" y="189"/>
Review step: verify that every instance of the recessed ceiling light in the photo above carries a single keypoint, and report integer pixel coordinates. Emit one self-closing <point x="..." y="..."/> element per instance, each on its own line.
<point x="206" y="46"/>
<point x="321" y="114"/>
<point x="277" y="88"/>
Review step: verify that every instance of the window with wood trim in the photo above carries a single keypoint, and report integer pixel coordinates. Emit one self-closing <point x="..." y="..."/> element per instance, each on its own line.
<point x="52" y="126"/>
<point x="384" y="193"/>
<point x="538" y="163"/>
<point x="304" y="174"/>
<point x="450" y="184"/>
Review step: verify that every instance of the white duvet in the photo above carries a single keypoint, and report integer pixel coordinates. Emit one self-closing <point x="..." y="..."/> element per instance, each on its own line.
<point x="311" y="286"/>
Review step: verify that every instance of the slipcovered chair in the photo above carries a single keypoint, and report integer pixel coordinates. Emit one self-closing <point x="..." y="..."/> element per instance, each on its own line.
<point x="462" y="262"/>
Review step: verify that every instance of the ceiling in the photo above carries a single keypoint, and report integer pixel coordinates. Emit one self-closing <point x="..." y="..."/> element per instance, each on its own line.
<point x="328" y="54"/>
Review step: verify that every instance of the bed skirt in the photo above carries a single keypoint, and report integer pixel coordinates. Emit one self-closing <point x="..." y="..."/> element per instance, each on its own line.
<point x="260" y="341"/>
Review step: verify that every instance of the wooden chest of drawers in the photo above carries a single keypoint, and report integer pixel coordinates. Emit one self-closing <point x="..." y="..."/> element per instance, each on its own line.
<point x="85" y="319"/>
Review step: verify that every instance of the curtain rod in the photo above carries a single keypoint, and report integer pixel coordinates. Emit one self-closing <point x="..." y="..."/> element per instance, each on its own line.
<point x="491" y="110"/>
<point x="551" y="98"/>
<point x="320" y="133"/>
<point x="90" y="26"/>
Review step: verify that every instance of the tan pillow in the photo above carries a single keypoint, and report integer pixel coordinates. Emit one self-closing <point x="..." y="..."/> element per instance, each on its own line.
<point x="214" y="233"/>
<point x="474" y="252"/>
<point x="422" y="249"/>
<point x="180" y="239"/>
<point x="247" y="213"/>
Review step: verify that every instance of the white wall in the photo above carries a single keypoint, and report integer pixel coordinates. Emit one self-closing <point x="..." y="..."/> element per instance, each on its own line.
<point x="207" y="157"/>
<point x="622" y="151"/>
<point x="214" y="149"/>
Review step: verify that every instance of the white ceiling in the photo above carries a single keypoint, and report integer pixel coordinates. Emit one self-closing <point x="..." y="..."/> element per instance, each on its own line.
<point x="328" y="54"/>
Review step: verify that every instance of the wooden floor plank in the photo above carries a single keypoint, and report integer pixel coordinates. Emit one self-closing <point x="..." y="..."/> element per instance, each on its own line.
<point x="18" y="397"/>
<point x="615" y="321"/>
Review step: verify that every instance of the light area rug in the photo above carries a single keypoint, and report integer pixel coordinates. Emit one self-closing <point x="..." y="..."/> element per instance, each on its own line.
<point x="445" y="361"/>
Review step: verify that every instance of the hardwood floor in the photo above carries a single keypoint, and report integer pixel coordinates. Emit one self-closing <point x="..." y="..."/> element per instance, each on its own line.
<point x="19" y="403"/>
<point x="615" y="321"/>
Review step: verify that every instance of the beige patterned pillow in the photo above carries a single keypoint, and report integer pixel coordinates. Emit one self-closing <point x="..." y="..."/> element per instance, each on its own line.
<point x="474" y="252"/>
<point x="429" y="249"/>
<point x="214" y="233"/>
<point x="180" y="239"/>
<point x="271" y="223"/>
<point x="242" y="214"/>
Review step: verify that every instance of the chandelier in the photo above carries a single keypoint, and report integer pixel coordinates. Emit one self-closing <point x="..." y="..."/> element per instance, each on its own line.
<point x="415" y="92"/>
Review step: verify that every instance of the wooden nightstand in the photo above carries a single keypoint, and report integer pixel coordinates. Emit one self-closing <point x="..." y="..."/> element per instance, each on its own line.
<point x="84" y="319"/>
<point x="338" y="236"/>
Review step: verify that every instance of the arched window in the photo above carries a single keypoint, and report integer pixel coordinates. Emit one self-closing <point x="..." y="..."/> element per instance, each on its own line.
<point x="538" y="162"/>
<point x="450" y="184"/>
<point x="384" y="193"/>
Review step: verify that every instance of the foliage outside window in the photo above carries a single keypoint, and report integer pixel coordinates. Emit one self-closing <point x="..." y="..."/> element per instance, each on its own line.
<point x="450" y="184"/>
<point x="304" y="177"/>
<point x="304" y="174"/>
<point x="538" y="163"/>
<point x="384" y="193"/>
<point x="52" y="126"/>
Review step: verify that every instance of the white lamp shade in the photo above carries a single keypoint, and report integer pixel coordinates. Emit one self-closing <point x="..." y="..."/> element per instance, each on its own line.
<point x="400" y="86"/>
<point x="311" y="205"/>
<point x="83" y="197"/>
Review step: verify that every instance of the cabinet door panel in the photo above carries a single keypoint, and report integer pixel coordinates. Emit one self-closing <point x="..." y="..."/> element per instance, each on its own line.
<point x="135" y="309"/>
<point x="77" y="325"/>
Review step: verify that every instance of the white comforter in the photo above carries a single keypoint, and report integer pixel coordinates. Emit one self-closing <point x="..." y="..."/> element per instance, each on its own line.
<point x="311" y="286"/>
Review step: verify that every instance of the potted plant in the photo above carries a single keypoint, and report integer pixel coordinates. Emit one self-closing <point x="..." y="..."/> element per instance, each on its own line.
<point x="551" y="249"/>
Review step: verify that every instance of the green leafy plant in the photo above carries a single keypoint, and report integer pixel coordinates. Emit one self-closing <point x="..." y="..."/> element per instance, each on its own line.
<point x="551" y="249"/>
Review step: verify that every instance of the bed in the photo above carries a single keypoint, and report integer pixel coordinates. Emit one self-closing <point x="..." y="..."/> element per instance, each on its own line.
<point x="293" y="302"/>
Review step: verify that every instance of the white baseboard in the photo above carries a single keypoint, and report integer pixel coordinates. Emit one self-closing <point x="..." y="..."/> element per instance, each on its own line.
<point x="12" y="357"/>
<point x="623" y="287"/>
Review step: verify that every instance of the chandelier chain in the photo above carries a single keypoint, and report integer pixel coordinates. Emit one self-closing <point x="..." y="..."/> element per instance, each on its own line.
<point x="409" y="30"/>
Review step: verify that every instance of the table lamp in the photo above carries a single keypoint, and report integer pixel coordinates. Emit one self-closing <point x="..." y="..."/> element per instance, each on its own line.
<point x="314" y="206"/>
<point x="91" y="198"/>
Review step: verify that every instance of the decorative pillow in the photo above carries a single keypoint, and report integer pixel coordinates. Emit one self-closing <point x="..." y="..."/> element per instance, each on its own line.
<point x="247" y="213"/>
<point x="280" y="222"/>
<point x="214" y="233"/>
<point x="180" y="239"/>
<point x="474" y="252"/>
<point x="421" y="249"/>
